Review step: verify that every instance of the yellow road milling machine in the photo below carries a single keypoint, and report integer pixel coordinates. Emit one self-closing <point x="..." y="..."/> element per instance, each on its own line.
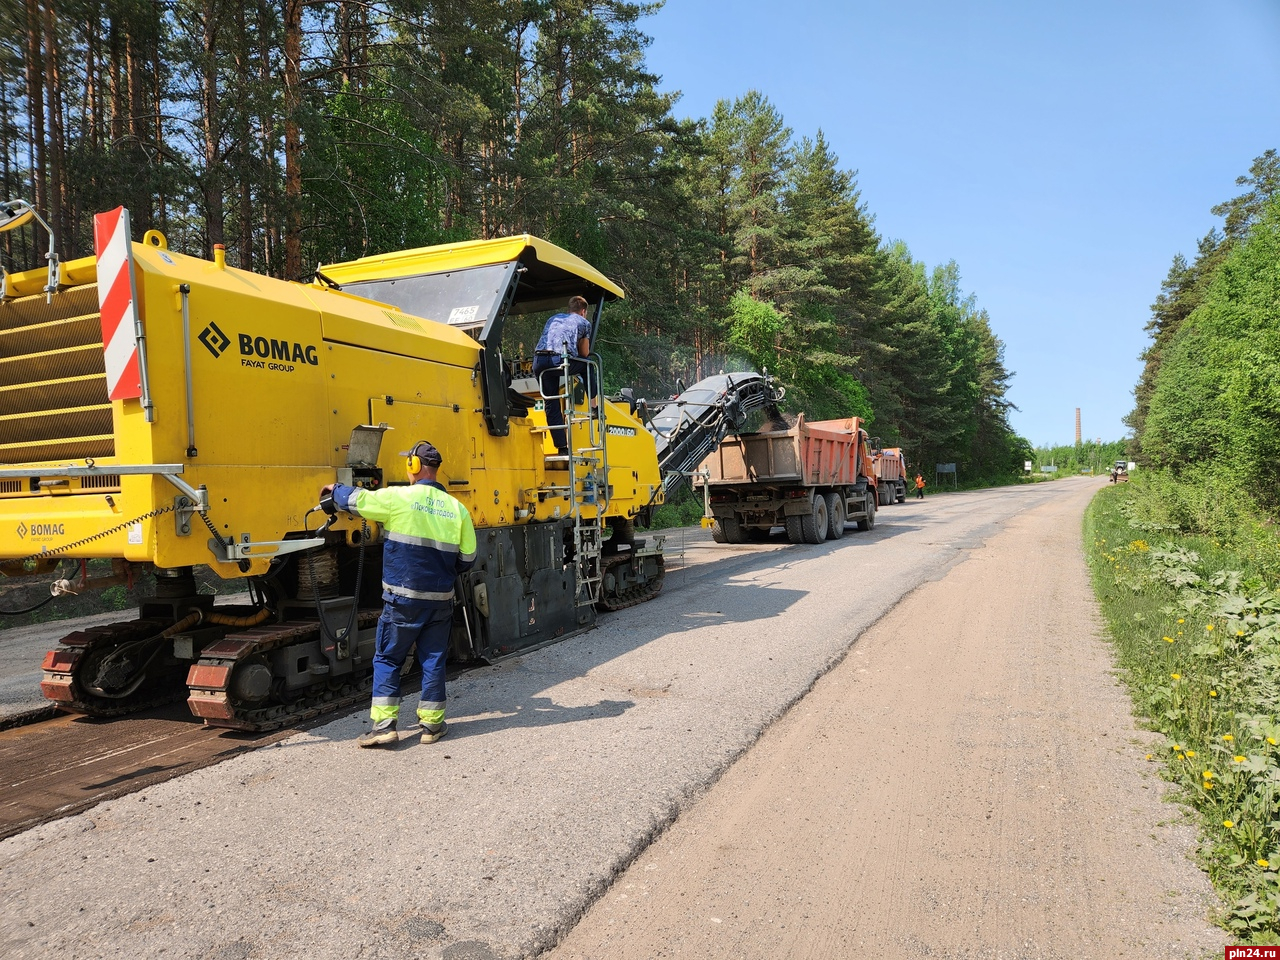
<point x="166" y="412"/>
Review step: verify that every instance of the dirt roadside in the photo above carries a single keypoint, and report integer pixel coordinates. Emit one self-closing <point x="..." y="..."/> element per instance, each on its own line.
<point x="967" y="782"/>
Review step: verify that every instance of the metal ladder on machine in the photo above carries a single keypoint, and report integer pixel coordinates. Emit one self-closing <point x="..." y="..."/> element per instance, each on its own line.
<point x="588" y="470"/>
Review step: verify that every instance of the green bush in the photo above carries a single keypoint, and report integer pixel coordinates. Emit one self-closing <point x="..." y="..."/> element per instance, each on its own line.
<point x="683" y="510"/>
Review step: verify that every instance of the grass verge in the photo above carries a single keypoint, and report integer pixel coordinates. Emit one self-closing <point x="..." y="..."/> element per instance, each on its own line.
<point x="1187" y="583"/>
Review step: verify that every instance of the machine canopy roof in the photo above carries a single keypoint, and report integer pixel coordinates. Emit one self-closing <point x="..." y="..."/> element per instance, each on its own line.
<point x="461" y="284"/>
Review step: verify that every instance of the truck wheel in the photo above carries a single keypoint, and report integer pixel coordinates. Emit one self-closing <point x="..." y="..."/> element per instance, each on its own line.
<point x="795" y="529"/>
<point x="717" y="531"/>
<point x="733" y="531"/>
<point x="869" y="521"/>
<point x="902" y="493"/>
<point x="835" y="515"/>
<point x="814" y="526"/>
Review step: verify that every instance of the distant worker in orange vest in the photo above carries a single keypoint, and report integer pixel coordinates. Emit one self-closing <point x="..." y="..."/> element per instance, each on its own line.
<point x="919" y="487"/>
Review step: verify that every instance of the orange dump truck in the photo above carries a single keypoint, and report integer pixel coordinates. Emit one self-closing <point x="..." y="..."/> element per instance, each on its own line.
<point x="811" y="478"/>
<point x="891" y="475"/>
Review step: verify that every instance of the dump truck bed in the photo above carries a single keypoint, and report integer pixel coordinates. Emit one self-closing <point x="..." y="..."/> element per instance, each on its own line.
<point x="889" y="464"/>
<point x="823" y="453"/>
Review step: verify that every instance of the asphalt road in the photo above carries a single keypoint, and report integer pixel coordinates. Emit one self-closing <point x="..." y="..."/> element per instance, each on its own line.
<point x="560" y="769"/>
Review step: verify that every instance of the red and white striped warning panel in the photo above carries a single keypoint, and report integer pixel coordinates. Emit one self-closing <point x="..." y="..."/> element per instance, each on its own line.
<point x="118" y="301"/>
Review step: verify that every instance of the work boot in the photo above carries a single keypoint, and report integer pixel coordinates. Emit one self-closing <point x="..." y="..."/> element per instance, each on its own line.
<point x="382" y="735"/>
<point x="433" y="732"/>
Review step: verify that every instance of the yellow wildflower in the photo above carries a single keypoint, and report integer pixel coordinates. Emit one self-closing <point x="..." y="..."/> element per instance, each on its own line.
<point x="1213" y="693"/>
<point x="1264" y="864"/>
<point x="1190" y="753"/>
<point x="1227" y="737"/>
<point x="1228" y="824"/>
<point x="1239" y="633"/>
<point x="1181" y="620"/>
<point x="1176" y="676"/>
<point x="1168" y="639"/>
<point x="1177" y="747"/>
<point x="1208" y="774"/>
<point x="1271" y="740"/>
<point x="1209" y="628"/>
<point x="1208" y="784"/>
<point x="1238" y="759"/>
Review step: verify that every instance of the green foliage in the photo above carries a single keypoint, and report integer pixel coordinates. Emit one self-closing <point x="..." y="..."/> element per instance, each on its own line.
<point x="1190" y="594"/>
<point x="375" y="182"/>
<point x="682" y="511"/>
<point x="1187" y="287"/>
<point x="1217" y="396"/>
<point x="1071" y="459"/>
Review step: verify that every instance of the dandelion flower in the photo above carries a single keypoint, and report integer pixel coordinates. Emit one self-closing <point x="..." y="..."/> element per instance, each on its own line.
<point x="1177" y="747"/>
<point x="1264" y="864"/>
<point x="1181" y="620"/>
<point x="1228" y="824"/>
<point x="1149" y="756"/>
<point x="1271" y="740"/>
<point x="1208" y="774"/>
<point x="1209" y="628"/>
<point x="1191" y="753"/>
<point x="1208" y="784"/>
<point x="1239" y="633"/>
<point x="1168" y="639"/>
<point x="1238" y="759"/>
<point x="1213" y="693"/>
<point x="1176" y="676"/>
<point x="1227" y="737"/>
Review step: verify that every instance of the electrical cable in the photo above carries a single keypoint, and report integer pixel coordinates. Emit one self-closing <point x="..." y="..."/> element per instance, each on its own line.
<point x="18" y="613"/>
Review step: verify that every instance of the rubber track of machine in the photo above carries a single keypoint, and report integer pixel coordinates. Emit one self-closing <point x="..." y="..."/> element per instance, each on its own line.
<point x="63" y="665"/>
<point x="635" y="595"/>
<point x="210" y="678"/>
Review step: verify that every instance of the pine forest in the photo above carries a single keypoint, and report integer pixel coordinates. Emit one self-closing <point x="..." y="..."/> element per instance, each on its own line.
<point x="303" y="133"/>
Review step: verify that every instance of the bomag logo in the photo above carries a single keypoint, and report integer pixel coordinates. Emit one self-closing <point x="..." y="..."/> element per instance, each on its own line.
<point x="214" y="340"/>
<point x="280" y="350"/>
<point x="39" y="530"/>
<point x="262" y="353"/>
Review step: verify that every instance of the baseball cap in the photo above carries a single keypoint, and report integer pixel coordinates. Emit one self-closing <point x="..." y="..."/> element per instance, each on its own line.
<point x="425" y="452"/>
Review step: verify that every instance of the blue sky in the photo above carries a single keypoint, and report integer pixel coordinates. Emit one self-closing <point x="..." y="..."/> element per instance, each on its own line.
<point x="1061" y="154"/>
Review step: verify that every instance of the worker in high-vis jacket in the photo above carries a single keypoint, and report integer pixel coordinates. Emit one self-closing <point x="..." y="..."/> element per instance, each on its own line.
<point x="429" y="541"/>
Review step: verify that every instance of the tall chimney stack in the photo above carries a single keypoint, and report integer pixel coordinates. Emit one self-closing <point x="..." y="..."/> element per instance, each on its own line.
<point x="1077" y="426"/>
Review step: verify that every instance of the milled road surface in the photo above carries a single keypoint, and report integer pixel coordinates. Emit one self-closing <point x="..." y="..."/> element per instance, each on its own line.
<point x="966" y="782"/>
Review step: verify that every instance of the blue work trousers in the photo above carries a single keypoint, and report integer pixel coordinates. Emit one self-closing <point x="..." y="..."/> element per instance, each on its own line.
<point x="406" y="625"/>
<point x="548" y="368"/>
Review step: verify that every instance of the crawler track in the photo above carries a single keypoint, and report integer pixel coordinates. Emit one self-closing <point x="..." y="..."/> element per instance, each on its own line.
<point x="212" y="678"/>
<point x="634" y="593"/>
<point x="70" y="667"/>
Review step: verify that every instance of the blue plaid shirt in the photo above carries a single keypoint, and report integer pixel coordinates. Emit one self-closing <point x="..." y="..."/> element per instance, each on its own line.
<point x="561" y="329"/>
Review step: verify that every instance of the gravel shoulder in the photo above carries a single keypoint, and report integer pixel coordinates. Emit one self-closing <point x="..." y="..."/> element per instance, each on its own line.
<point x="977" y="769"/>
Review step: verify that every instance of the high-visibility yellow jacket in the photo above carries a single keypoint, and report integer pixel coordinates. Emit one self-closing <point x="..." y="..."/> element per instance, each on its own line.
<point x="430" y="537"/>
